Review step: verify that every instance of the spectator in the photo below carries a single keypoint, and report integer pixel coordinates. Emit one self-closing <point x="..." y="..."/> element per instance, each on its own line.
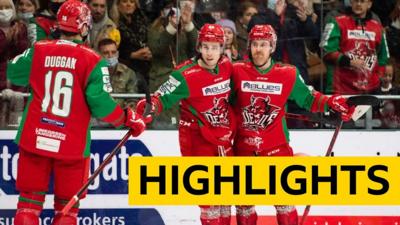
<point x="43" y="25"/>
<point x="13" y="41"/>
<point x="231" y="44"/>
<point x="388" y="116"/>
<point x="123" y="79"/>
<point x="207" y="11"/>
<point x="355" y="51"/>
<point x="172" y="39"/>
<point x="393" y="38"/>
<point x="293" y="26"/>
<point x="387" y="86"/>
<point x="26" y="9"/>
<point x="245" y="11"/>
<point x="388" y="109"/>
<point x="103" y="27"/>
<point x="13" y="37"/>
<point x="133" y="27"/>
<point x="382" y="9"/>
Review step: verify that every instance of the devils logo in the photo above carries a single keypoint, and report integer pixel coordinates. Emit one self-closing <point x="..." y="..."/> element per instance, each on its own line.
<point x="218" y="114"/>
<point x="260" y="113"/>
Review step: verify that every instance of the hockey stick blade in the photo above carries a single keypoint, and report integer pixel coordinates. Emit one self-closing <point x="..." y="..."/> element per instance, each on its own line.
<point x="363" y="100"/>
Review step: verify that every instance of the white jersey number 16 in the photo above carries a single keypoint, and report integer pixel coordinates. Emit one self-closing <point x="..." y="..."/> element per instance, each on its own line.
<point x="61" y="93"/>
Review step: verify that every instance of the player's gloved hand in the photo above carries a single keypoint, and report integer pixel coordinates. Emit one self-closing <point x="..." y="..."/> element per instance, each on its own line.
<point x="338" y="104"/>
<point x="136" y="122"/>
<point x="156" y="106"/>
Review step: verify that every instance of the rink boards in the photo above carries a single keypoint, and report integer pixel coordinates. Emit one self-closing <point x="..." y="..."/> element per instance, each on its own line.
<point x="107" y="202"/>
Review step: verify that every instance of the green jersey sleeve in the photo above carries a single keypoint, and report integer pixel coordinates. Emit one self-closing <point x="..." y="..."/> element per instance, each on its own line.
<point x="98" y="91"/>
<point x="19" y="68"/>
<point x="331" y="37"/>
<point x="173" y="90"/>
<point x="301" y="93"/>
<point x="383" y="51"/>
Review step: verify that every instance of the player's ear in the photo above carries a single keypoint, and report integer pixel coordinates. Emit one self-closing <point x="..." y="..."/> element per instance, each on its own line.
<point x="84" y="30"/>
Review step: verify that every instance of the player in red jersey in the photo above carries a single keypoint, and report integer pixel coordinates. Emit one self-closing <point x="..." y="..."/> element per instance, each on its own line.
<point x="206" y="126"/>
<point x="69" y="83"/>
<point x="260" y="92"/>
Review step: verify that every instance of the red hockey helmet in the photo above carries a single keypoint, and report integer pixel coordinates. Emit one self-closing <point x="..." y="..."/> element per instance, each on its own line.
<point x="263" y="32"/>
<point x="73" y="15"/>
<point x="211" y="33"/>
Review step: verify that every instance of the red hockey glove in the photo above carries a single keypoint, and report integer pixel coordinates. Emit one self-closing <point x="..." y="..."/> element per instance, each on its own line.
<point x="156" y="106"/>
<point x="136" y="122"/>
<point x="338" y="104"/>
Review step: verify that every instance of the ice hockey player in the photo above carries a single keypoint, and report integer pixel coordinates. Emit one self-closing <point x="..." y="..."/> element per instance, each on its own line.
<point x="260" y="92"/>
<point x="202" y="86"/>
<point x="69" y="83"/>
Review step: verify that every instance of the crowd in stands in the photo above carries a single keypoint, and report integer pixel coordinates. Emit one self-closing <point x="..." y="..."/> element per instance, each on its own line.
<point x="144" y="40"/>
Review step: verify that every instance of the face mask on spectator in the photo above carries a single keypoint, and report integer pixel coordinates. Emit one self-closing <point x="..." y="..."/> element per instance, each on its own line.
<point x="6" y="15"/>
<point x="271" y="4"/>
<point x="113" y="61"/>
<point x="25" y="16"/>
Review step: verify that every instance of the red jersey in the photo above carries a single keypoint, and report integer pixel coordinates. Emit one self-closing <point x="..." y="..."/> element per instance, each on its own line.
<point x="69" y="83"/>
<point x="259" y="99"/>
<point x="203" y="95"/>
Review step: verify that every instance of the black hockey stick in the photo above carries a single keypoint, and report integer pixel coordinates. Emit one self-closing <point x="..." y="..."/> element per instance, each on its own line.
<point x="359" y="100"/>
<point x="114" y="152"/>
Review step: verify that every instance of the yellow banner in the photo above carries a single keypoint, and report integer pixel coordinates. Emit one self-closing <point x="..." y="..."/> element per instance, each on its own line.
<point x="264" y="180"/>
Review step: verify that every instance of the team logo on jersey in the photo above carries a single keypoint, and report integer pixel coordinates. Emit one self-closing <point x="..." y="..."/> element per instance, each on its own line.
<point x="262" y="87"/>
<point x="260" y="113"/>
<point x="169" y="86"/>
<point x="218" y="114"/>
<point x="216" y="89"/>
<point x="364" y="52"/>
<point x="361" y="35"/>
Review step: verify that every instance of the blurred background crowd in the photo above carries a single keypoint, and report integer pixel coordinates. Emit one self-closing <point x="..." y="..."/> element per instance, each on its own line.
<point x="143" y="40"/>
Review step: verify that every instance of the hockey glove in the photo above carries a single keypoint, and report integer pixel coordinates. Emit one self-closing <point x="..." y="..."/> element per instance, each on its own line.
<point x="135" y="122"/>
<point x="338" y="104"/>
<point x="156" y="106"/>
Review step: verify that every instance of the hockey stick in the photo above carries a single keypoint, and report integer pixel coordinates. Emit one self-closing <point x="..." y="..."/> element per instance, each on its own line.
<point x="360" y="102"/>
<point x="114" y="152"/>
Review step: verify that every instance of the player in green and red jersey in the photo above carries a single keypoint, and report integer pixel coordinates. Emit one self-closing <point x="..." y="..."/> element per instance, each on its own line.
<point x="261" y="89"/>
<point x="69" y="83"/>
<point x="202" y="86"/>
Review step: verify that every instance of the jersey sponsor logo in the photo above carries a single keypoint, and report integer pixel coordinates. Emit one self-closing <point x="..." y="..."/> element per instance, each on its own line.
<point x="60" y="61"/>
<point x="216" y="89"/>
<point x="105" y="71"/>
<point x="47" y="144"/>
<point x="50" y="133"/>
<point x="218" y="114"/>
<point x="107" y="87"/>
<point x="260" y="113"/>
<point x="194" y="70"/>
<point x="361" y="35"/>
<point x="169" y="86"/>
<point x="52" y="122"/>
<point x="262" y="87"/>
